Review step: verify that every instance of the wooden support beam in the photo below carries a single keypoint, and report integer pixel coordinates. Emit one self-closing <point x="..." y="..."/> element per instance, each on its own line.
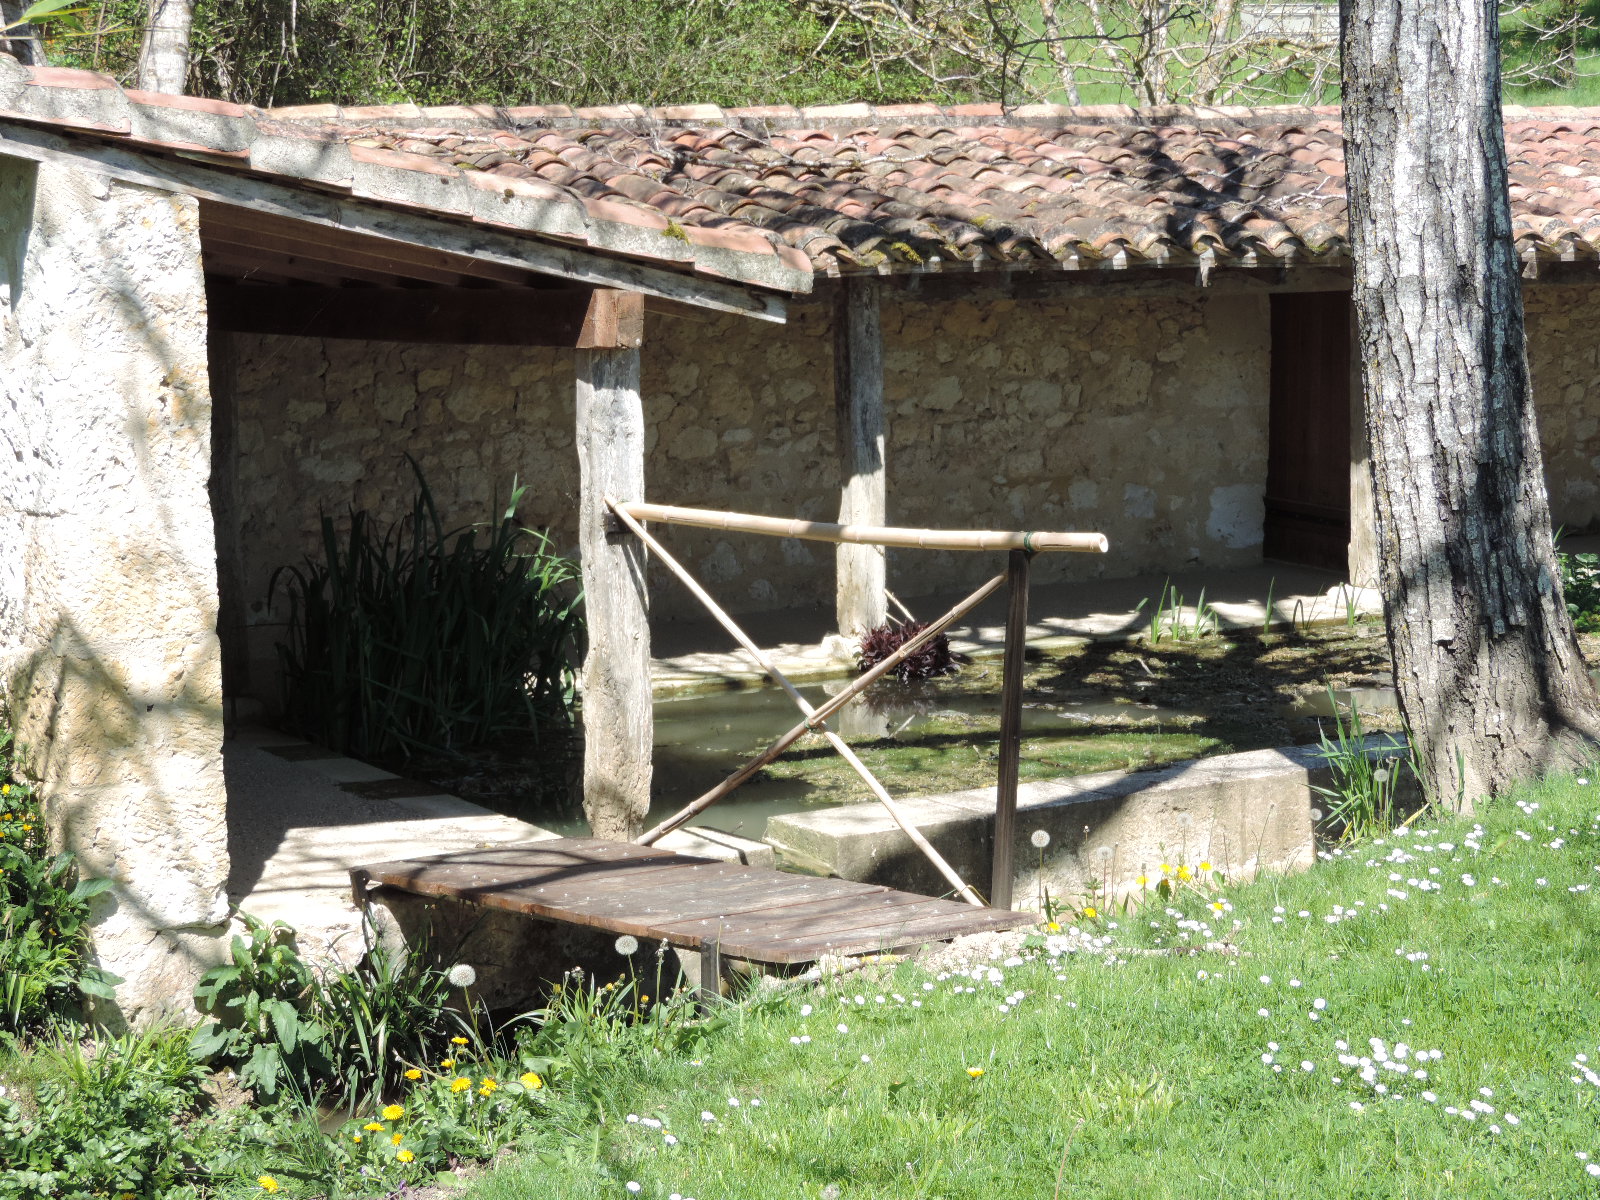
<point x="617" y="722"/>
<point x="581" y="318"/>
<point x="1005" y="809"/>
<point x="861" y="577"/>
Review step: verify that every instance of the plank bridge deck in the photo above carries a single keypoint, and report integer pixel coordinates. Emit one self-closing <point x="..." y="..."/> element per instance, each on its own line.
<point x="753" y="913"/>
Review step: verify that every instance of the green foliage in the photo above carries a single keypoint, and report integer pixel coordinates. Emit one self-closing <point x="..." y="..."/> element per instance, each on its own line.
<point x="510" y="52"/>
<point x="381" y="1019"/>
<point x="44" y="914"/>
<point x="1580" y="583"/>
<point x="1169" y="618"/>
<point x="422" y="639"/>
<point x="107" y="1122"/>
<point x="1367" y="779"/>
<point x="347" y="1035"/>
<point x="260" y="1006"/>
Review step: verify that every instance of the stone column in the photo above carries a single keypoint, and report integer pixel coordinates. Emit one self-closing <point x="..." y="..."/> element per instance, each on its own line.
<point x="110" y="667"/>
<point x="617" y="723"/>
<point x="862" y="577"/>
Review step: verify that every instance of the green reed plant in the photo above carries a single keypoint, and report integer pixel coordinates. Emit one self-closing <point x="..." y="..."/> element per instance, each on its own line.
<point x="1367" y="776"/>
<point x="1171" y="618"/>
<point x="418" y="638"/>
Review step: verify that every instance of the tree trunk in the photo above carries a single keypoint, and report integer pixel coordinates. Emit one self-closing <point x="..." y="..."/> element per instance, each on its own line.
<point x="19" y="40"/>
<point x="164" y="56"/>
<point x="1490" y="680"/>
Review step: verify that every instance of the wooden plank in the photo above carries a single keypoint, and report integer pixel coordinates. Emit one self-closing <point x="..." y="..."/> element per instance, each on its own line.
<point x="617" y="712"/>
<point x="892" y="935"/>
<point x="528" y="251"/>
<point x="861" y="579"/>
<point x="830" y="915"/>
<point x="565" y="317"/>
<point x="612" y="320"/>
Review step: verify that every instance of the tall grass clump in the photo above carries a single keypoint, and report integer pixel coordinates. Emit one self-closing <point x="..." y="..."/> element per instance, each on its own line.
<point x="417" y="638"/>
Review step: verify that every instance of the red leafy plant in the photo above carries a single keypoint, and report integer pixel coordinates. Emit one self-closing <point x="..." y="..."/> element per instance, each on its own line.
<point x="930" y="659"/>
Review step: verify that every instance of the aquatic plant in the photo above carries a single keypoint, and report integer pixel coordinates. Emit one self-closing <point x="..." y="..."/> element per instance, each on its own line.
<point x="931" y="659"/>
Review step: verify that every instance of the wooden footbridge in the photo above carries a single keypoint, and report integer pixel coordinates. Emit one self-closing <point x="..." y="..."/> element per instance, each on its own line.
<point x="724" y="910"/>
<point x="715" y="909"/>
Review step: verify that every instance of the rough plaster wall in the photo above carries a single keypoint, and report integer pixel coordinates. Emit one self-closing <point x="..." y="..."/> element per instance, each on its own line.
<point x="1143" y="419"/>
<point x="109" y="659"/>
<point x="1565" y="360"/>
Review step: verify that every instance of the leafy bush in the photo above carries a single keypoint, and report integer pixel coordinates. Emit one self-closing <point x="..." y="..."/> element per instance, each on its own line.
<point x="107" y="1122"/>
<point x="349" y="1035"/>
<point x="259" y="1004"/>
<point x="419" y="639"/>
<point x="1580" y="583"/>
<point x="934" y="657"/>
<point x="44" y="914"/>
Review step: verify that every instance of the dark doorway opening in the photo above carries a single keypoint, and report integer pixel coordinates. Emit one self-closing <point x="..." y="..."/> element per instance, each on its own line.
<point x="1308" y="433"/>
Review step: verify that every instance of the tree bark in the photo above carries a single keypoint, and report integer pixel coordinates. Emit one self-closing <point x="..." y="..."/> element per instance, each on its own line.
<point x="1487" y="668"/>
<point x="617" y="720"/>
<point x="861" y="572"/>
<point x="164" y="55"/>
<point x="18" y="40"/>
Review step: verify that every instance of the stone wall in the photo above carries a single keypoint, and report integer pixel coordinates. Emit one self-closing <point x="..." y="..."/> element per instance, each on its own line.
<point x="109" y="662"/>
<point x="1564" y="356"/>
<point x="1144" y="419"/>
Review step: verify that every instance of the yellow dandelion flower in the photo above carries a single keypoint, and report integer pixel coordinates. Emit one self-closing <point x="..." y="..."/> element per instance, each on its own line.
<point x="1142" y="880"/>
<point x="393" y="1113"/>
<point x="373" y="1127"/>
<point x="1090" y="911"/>
<point x="458" y="1041"/>
<point x="355" y="1137"/>
<point x="397" y="1139"/>
<point x="1205" y="866"/>
<point x="1166" y="868"/>
<point x="975" y="1072"/>
<point x="447" y="1063"/>
<point x="644" y="998"/>
<point x="413" y="1074"/>
<point x="460" y="1084"/>
<point x="487" y="1086"/>
<point x="1053" y="926"/>
<point x="405" y="1156"/>
<point x="531" y="1081"/>
<point x="267" y="1183"/>
<point x="1185" y="874"/>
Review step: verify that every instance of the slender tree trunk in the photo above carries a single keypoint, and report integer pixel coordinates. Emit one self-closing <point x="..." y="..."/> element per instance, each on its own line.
<point x="164" y="56"/>
<point x="21" y="41"/>
<point x="1487" y="667"/>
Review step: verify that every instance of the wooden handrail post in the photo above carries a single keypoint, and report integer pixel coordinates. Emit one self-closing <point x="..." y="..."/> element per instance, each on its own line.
<point x="1005" y="810"/>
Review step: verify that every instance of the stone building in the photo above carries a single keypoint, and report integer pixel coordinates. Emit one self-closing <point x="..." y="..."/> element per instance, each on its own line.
<point x="218" y="323"/>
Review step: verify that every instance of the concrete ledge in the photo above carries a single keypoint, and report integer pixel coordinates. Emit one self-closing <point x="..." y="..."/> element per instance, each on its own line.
<point x="1242" y="813"/>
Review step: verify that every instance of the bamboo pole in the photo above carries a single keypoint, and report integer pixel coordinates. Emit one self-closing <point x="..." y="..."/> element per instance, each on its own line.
<point x="823" y="531"/>
<point x="762" y="660"/>
<point x="865" y="680"/>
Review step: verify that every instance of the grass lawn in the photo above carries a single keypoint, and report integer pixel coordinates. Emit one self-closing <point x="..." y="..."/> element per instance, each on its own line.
<point x="1409" y="1019"/>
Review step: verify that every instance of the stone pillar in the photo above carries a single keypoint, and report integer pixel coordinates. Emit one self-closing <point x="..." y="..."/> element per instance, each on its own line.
<point x="862" y="578"/>
<point x="109" y="661"/>
<point x="617" y="724"/>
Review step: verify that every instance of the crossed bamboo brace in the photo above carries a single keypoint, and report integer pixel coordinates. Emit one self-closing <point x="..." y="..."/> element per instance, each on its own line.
<point x="1022" y="547"/>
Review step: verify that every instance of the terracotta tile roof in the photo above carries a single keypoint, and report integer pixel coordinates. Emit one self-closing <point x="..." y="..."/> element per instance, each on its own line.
<point x="772" y="195"/>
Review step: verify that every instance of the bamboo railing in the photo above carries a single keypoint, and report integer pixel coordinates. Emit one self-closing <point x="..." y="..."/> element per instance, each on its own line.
<point x="1022" y="547"/>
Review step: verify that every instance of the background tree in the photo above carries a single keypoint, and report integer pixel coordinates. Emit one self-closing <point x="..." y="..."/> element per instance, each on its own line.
<point x="1487" y="668"/>
<point x="164" y="54"/>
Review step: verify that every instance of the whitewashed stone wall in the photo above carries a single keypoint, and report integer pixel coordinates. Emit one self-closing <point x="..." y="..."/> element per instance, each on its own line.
<point x="1564" y="355"/>
<point x="1145" y="419"/>
<point x="109" y="660"/>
